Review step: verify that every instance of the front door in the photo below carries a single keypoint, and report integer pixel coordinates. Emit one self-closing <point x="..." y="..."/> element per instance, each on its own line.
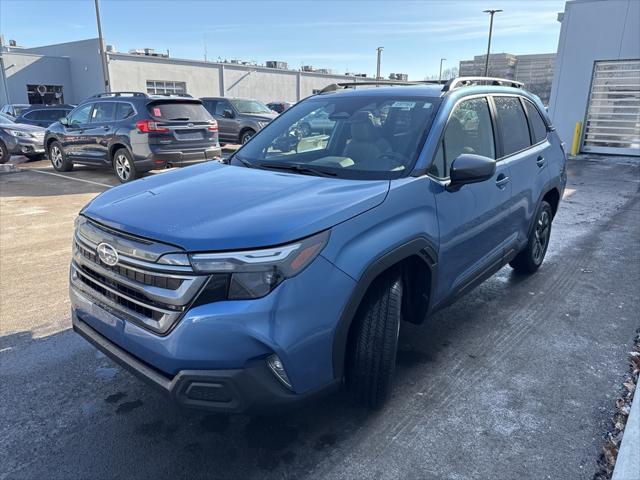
<point x="228" y="124"/>
<point x="75" y="139"/>
<point x="474" y="221"/>
<point x="99" y="132"/>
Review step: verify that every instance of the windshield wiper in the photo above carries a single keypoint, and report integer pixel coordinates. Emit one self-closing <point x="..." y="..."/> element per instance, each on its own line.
<point x="243" y="161"/>
<point x="298" y="168"/>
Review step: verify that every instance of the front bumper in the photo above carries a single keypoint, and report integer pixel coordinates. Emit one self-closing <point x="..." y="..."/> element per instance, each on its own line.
<point x="250" y="389"/>
<point x="25" y="146"/>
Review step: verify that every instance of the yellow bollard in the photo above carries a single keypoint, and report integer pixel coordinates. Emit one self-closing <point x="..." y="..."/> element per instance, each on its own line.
<point x="575" y="145"/>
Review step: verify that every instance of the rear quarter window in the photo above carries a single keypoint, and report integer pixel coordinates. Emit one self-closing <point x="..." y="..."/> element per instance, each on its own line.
<point x="179" y="111"/>
<point x="513" y="124"/>
<point x="538" y="126"/>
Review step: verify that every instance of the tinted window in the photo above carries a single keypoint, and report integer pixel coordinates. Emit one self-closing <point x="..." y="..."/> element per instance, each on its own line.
<point x="537" y="123"/>
<point x="80" y="115"/>
<point x="104" y="112"/>
<point x="179" y="111"/>
<point x="35" y="115"/>
<point x="124" y="110"/>
<point x="221" y="106"/>
<point x="210" y="106"/>
<point x="513" y="124"/>
<point x="469" y="130"/>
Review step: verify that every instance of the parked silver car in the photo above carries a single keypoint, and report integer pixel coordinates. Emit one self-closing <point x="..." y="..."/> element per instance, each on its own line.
<point x="238" y="118"/>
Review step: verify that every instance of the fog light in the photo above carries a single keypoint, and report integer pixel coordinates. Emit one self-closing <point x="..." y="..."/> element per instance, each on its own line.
<point x="275" y="364"/>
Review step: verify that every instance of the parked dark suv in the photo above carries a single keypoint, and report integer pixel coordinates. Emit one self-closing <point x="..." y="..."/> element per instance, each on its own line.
<point x="133" y="133"/>
<point x="290" y="270"/>
<point x="239" y="119"/>
<point x="43" y="115"/>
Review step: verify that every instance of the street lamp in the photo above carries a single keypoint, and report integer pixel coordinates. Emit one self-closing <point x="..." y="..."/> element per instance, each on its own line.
<point x="440" y="74"/>
<point x="486" y="60"/>
<point x="103" y="55"/>
<point x="379" y="49"/>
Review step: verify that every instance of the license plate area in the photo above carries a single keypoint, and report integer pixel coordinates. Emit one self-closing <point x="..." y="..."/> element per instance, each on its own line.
<point x="189" y="135"/>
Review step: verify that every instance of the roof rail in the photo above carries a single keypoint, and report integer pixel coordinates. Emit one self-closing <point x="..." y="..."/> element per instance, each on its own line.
<point x="465" y="81"/>
<point x="381" y="83"/>
<point x="119" y="94"/>
<point x="185" y="95"/>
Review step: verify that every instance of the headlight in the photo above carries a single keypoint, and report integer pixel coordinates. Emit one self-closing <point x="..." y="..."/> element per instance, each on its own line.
<point x="17" y="133"/>
<point x="263" y="124"/>
<point x="255" y="273"/>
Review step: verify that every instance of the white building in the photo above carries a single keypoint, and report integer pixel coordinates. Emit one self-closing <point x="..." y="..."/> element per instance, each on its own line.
<point x="72" y="72"/>
<point x="597" y="76"/>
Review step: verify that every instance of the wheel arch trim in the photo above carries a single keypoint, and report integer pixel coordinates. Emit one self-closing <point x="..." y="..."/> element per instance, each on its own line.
<point x="419" y="246"/>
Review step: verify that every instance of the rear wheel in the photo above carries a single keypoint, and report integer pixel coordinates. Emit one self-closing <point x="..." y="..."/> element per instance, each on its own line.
<point x="374" y="342"/>
<point x="530" y="259"/>
<point x="124" y="167"/>
<point x="58" y="158"/>
<point x="246" y="135"/>
<point x="4" y="153"/>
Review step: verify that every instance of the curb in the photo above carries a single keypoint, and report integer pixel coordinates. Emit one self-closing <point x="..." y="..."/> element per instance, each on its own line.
<point x="628" y="462"/>
<point x="8" y="168"/>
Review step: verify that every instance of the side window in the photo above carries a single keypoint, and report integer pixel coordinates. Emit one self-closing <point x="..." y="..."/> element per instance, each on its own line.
<point x="31" y="115"/>
<point x="104" y="112"/>
<point x="469" y="130"/>
<point x="538" y="126"/>
<point x="221" y="106"/>
<point x="210" y="106"/>
<point x="438" y="168"/>
<point x="80" y="115"/>
<point x="513" y="124"/>
<point x="123" y="110"/>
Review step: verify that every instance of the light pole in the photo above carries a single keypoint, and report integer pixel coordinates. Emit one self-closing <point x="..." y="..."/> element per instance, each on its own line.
<point x="103" y="55"/>
<point x="379" y="49"/>
<point x="486" y="60"/>
<point x="440" y="74"/>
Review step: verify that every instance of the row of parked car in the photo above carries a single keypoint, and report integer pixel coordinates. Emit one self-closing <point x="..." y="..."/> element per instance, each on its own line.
<point x="132" y="132"/>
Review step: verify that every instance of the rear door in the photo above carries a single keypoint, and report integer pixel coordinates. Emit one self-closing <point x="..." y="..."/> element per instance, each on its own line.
<point x="475" y="220"/>
<point x="525" y="150"/>
<point x="183" y="125"/>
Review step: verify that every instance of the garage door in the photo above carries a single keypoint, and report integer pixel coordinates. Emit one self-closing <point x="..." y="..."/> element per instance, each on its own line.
<point x="613" y="115"/>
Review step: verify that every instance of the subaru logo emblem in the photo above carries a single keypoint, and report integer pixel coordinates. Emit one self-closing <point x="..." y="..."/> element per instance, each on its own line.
<point x="189" y="125"/>
<point x="107" y="254"/>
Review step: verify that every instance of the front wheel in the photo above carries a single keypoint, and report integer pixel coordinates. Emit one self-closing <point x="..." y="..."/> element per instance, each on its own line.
<point x="4" y="153"/>
<point x="373" y="342"/>
<point x="530" y="259"/>
<point x="58" y="158"/>
<point x="246" y="136"/>
<point x="124" y="167"/>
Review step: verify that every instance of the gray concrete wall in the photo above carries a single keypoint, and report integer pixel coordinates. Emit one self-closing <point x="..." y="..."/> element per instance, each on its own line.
<point x="131" y="72"/>
<point x="591" y="30"/>
<point x="22" y="69"/>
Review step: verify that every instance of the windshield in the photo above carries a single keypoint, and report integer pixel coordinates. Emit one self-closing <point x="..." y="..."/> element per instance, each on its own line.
<point x="367" y="137"/>
<point x="5" y="118"/>
<point x="250" y="106"/>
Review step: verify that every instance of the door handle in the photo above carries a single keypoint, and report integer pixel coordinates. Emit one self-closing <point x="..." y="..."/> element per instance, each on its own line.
<point x="106" y="127"/>
<point x="540" y="161"/>
<point x="502" y="181"/>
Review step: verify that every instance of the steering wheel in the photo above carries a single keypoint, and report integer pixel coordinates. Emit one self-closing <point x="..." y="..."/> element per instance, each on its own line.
<point x="396" y="159"/>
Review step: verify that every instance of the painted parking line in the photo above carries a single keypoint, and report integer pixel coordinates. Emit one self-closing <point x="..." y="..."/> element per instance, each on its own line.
<point x="68" y="178"/>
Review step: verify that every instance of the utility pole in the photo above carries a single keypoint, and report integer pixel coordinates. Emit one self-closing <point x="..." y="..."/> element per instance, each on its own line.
<point x="486" y="60"/>
<point x="103" y="54"/>
<point x="440" y="74"/>
<point x="379" y="49"/>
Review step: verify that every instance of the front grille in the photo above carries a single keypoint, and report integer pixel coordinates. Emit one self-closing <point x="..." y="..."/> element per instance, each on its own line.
<point x="137" y="288"/>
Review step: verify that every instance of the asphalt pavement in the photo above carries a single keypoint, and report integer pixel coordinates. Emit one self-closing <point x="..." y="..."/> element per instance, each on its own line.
<point x="516" y="380"/>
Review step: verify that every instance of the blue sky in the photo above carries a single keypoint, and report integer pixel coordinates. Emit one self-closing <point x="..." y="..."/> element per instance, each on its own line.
<point x="341" y="35"/>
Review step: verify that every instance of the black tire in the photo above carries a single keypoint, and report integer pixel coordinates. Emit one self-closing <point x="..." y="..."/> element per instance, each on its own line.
<point x="34" y="157"/>
<point x="58" y="158"/>
<point x="4" y="153"/>
<point x="246" y="135"/>
<point x="124" y="167"/>
<point x="530" y="259"/>
<point x="373" y="342"/>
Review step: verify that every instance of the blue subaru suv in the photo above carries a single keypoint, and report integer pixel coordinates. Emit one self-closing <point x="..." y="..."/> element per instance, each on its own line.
<point x="287" y="272"/>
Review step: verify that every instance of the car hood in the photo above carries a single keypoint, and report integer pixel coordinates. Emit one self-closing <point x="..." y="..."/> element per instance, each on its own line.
<point x="221" y="207"/>
<point x="23" y="127"/>
<point x="260" y="117"/>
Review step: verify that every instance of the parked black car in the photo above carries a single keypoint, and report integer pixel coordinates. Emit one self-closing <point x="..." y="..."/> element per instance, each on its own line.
<point x="280" y="107"/>
<point x="239" y="119"/>
<point x="14" y="109"/>
<point x="43" y="115"/>
<point x="18" y="139"/>
<point x="134" y="132"/>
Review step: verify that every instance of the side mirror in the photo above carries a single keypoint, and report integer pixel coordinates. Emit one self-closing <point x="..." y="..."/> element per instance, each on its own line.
<point x="469" y="168"/>
<point x="228" y="114"/>
<point x="64" y="121"/>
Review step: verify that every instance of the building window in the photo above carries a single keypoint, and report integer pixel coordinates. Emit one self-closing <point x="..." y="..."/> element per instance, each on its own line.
<point x="157" y="87"/>
<point x="45" y="94"/>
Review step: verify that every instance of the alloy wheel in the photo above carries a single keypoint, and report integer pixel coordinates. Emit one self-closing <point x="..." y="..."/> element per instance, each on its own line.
<point x="541" y="239"/>
<point x="56" y="156"/>
<point x="123" y="168"/>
